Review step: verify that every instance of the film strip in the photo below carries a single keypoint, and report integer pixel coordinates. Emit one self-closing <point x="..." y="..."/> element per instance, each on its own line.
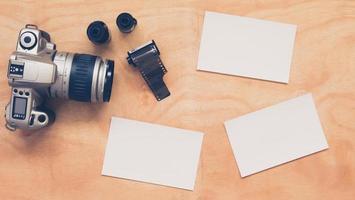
<point x="146" y="59"/>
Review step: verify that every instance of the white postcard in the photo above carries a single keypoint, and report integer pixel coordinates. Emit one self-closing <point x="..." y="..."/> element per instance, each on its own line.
<point x="276" y="135"/>
<point x="152" y="153"/>
<point x="247" y="47"/>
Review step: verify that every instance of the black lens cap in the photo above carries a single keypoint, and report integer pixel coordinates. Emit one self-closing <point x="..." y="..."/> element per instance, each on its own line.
<point x="126" y="22"/>
<point x="98" y="32"/>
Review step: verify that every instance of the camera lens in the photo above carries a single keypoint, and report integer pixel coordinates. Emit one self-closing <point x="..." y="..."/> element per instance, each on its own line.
<point x="83" y="77"/>
<point x="90" y="79"/>
<point x="108" y="81"/>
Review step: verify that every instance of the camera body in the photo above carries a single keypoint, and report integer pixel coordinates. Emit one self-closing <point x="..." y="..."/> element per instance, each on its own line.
<point x="36" y="72"/>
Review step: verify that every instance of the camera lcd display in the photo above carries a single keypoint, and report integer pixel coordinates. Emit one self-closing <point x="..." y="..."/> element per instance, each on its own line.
<point x="20" y="105"/>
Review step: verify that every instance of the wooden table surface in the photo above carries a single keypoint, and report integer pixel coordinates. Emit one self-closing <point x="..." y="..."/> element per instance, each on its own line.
<point x="65" y="160"/>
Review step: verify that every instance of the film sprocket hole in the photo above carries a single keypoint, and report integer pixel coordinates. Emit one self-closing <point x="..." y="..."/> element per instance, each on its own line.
<point x="146" y="59"/>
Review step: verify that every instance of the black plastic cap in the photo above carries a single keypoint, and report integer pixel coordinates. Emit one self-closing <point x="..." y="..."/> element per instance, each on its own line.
<point x="126" y="22"/>
<point x="98" y="32"/>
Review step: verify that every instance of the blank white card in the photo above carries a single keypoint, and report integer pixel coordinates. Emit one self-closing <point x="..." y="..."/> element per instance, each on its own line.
<point x="152" y="153"/>
<point x="246" y="47"/>
<point x="276" y="135"/>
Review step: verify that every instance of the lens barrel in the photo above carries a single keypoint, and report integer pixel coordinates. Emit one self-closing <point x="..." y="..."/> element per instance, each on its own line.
<point x="83" y="77"/>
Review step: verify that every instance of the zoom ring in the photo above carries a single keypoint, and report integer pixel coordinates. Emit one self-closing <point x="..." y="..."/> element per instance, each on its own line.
<point x="81" y="75"/>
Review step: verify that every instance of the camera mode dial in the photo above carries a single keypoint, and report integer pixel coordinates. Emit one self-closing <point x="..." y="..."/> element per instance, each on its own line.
<point x="28" y="40"/>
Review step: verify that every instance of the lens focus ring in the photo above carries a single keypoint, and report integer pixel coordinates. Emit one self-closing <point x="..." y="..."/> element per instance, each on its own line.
<point x="81" y="76"/>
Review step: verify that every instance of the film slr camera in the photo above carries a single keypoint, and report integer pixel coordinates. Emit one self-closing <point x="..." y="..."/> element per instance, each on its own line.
<point x="37" y="72"/>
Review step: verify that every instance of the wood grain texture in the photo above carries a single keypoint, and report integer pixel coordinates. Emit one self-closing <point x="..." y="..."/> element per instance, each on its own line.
<point x="64" y="161"/>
